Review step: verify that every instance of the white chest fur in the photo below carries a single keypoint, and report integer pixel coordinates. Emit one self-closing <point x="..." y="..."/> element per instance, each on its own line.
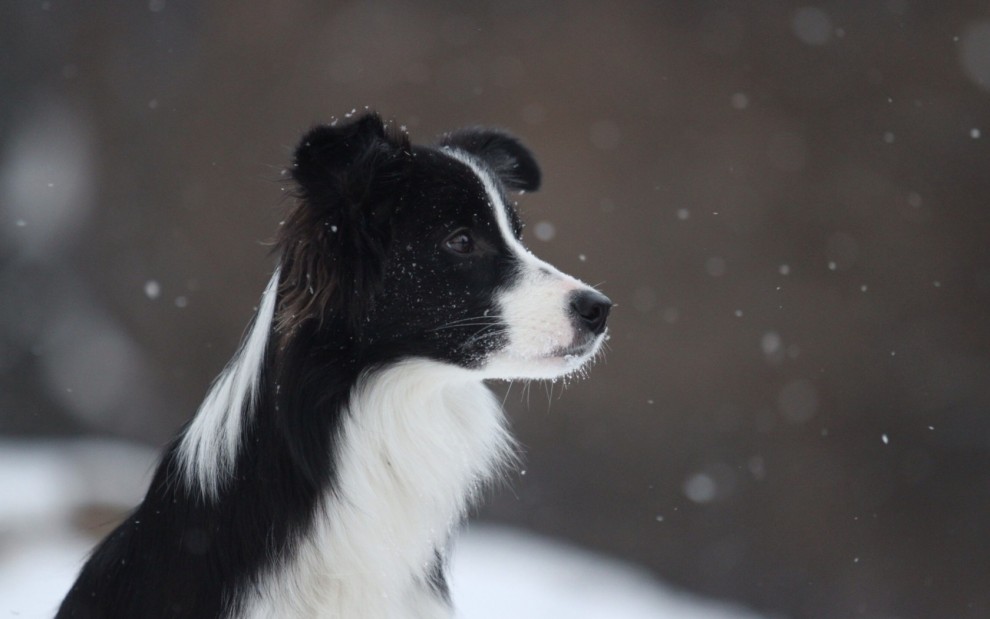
<point x="418" y="441"/>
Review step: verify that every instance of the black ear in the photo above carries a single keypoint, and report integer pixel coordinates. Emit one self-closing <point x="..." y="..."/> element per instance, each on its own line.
<point x="350" y="178"/>
<point x="344" y="165"/>
<point x="512" y="162"/>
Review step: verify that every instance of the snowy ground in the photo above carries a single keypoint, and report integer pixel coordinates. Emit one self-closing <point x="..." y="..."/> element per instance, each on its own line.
<point x="496" y="572"/>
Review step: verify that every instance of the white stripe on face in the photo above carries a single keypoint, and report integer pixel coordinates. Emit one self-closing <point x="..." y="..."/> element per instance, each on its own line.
<point x="535" y="307"/>
<point x="502" y="216"/>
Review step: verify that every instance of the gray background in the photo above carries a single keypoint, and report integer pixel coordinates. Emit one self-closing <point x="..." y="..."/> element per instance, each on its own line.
<point x="788" y="204"/>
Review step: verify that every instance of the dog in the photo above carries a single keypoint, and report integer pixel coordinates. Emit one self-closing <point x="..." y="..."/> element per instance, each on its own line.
<point x="339" y="449"/>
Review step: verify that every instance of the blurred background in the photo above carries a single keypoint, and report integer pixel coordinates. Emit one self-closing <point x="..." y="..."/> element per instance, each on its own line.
<point x="787" y="202"/>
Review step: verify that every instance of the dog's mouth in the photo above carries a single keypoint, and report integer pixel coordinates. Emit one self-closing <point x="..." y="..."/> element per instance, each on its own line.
<point x="577" y="350"/>
<point x="550" y="363"/>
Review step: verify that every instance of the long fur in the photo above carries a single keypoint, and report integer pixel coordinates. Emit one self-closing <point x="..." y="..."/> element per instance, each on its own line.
<point x="333" y="457"/>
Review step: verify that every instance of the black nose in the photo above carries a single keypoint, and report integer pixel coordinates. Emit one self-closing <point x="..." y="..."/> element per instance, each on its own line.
<point x="591" y="309"/>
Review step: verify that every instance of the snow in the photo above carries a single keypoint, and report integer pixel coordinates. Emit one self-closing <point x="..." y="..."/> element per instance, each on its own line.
<point x="700" y="488"/>
<point x="974" y="53"/>
<point x="772" y="345"/>
<point x="152" y="289"/>
<point x="544" y="231"/>
<point x="812" y="26"/>
<point x="740" y="101"/>
<point x="496" y="572"/>
<point x="500" y="573"/>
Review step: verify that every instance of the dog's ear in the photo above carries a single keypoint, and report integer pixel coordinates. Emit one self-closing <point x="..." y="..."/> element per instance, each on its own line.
<point x="350" y="178"/>
<point x="504" y="154"/>
<point x="345" y="170"/>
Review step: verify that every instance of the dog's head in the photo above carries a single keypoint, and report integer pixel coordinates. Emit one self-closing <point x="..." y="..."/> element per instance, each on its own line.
<point x="405" y="251"/>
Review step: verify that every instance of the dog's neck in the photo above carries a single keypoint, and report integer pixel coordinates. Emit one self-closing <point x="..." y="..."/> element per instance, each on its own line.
<point x="417" y="442"/>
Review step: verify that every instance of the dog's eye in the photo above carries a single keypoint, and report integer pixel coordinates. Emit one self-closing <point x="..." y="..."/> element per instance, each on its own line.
<point x="460" y="242"/>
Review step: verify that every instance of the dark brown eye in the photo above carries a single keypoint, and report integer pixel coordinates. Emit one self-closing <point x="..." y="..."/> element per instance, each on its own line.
<point x="460" y="242"/>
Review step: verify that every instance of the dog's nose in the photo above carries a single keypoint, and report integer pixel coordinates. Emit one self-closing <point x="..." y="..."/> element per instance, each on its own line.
<point x="591" y="309"/>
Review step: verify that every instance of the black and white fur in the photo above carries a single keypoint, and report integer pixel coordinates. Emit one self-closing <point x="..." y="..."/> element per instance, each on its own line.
<point x="333" y="457"/>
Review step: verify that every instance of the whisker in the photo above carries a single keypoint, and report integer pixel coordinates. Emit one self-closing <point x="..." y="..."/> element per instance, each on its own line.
<point x="482" y="325"/>
<point x="507" y="392"/>
<point x="480" y="334"/>
<point x="464" y="323"/>
<point x="459" y="321"/>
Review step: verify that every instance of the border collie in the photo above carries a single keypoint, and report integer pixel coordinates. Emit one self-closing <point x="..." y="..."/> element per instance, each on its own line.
<point x="333" y="457"/>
